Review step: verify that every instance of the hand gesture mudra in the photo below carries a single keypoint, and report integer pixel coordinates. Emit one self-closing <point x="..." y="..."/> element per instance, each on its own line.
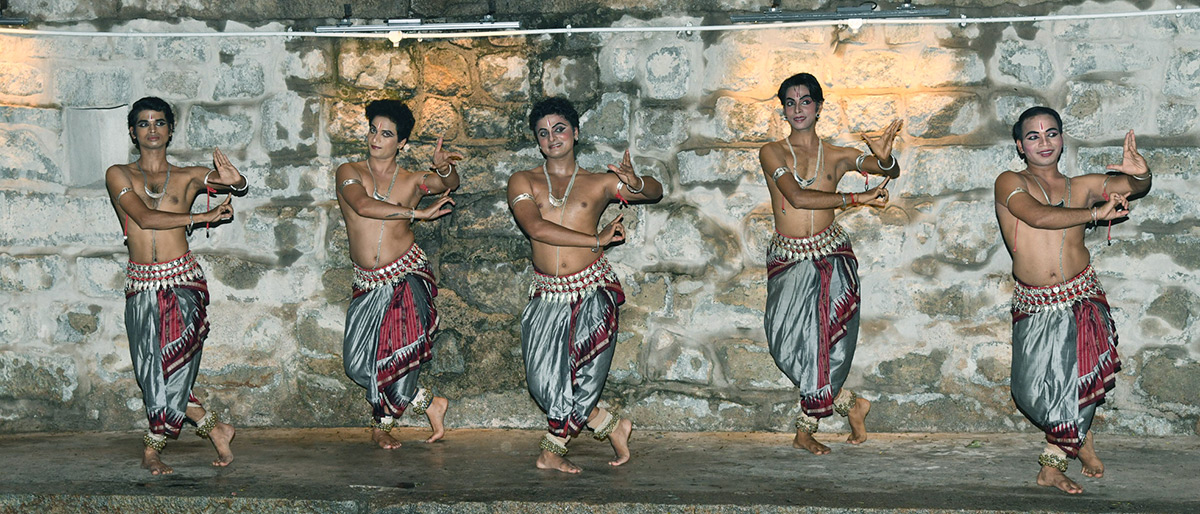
<point x="443" y="158"/>
<point x="876" y="196"/>
<point x="881" y="147"/>
<point x="226" y="173"/>
<point x="625" y="172"/>
<point x="1132" y="162"/>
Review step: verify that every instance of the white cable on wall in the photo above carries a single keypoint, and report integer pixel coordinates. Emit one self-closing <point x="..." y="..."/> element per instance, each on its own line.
<point x="397" y="35"/>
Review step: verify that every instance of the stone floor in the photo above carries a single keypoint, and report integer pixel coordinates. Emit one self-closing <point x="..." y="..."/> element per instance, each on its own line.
<point x="485" y="471"/>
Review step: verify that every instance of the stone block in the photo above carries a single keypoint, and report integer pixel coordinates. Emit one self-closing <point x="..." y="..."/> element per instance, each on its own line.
<point x="289" y="122"/>
<point x="681" y="242"/>
<point x="689" y="365"/>
<point x="749" y="365"/>
<point x="1177" y="306"/>
<point x="447" y="357"/>
<point x="311" y="65"/>
<point x="667" y="73"/>
<point x="937" y="115"/>
<point x="730" y="65"/>
<point x="100" y="277"/>
<point x="500" y="288"/>
<point x="912" y="373"/>
<point x="718" y="167"/>
<point x="505" y="76"/>
<point x="967" y="232"/>
<point x="1025" y="63"/>
<point x="211" y="127"/>
<point x="76" y="322"/>
<point x="958" y="302"/>
<point x="575" y="78"/>
<point x="376" y="66"/>
<point x="953" y="169"/>
<point x="1089" y="30"/>
<point x="182" y="50"/>
<point x="618" y="62"/>
<point x="947" y="67"/>
<point x="438" y="117"/>
<point x="1009" y="107"/>
<point x="446" y="73"/>
<point x="1176" y="119"/>
<point x="875" y="69"/>
<point x="744" y="121"/>
<point x="92" y="88"/>
<point x="609" y="121"/>
<point x="1110" y="58"/>
<point x="660" y="130"/>
<point x="15" y="322"/>
<point x="25" y="157"/>
<point x="173" y="84"/>
<point x="47" y="119"/>
<point x="50" y="220"/>
<point x="1091" y="107"/>
<point x="18" y="79"/>
<point x="483" y="122"/>
<point x="244" y="80"/>
<point x="867" y="113"/>
<point x="283" y="230"/>
<point x="49" y="379"/>
<point x="26" y="274"/>
<point x="1169" y="375"/>
<point x="1183" y="73"/>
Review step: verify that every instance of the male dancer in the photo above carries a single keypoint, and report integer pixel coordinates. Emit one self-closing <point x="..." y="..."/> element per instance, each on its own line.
<point x="812" y="313"/>
<point x="165" y="292"/>
<point x="391" y="320"/>
<point x="1064" y="339"/>
<point x="569" y="328"/>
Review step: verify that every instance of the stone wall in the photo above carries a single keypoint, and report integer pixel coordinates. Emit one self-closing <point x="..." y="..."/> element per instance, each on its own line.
<point x="692" y="106"/>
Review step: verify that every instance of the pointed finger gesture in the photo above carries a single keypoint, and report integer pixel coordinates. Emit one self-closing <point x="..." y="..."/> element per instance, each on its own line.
<point x="1132" y="162"/>
<point x="877" y="196"/>
<point x="881" y="146"/>
<point x="227" y="173"/>
<point x="443" y="158"/>
<point x="625" y="171"/>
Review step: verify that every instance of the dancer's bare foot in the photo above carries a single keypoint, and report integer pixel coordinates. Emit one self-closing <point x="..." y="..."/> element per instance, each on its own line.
<point x="221" y="436"/>
<point x="1092" y="467"/>
<point x="620" y="442"/>
<point x="549" y="460"/>
<point x="384" y="439"/>
<point x="857" y="418"/>
<point x="1052" y="477"/>
<point x="436" y="412"/>
<point x="805" y="441"/>
<point x="152" y="462"/>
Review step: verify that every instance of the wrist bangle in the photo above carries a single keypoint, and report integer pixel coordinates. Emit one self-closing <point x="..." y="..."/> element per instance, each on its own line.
<point x="244" y="188"/>
<point x="596" y="249"/>
<point x="843" y="200"/>
<point x="859" y="161"/>
<point x="449" y="170"/>
<point x="1145" y="176"/>
<point x="640" y="188"/>
<point x="190" y="222"/>
<point x="1094" y="215"/>
<point x="889" y="167"/>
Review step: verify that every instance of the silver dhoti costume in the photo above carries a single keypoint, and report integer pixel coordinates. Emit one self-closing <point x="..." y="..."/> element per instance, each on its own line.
<point x="812" y="318"/>
<point x="1064" y="356"/>
<point x="568" y="335"/>
<point x="166" y="321"/>
<point x="390" y="326"/>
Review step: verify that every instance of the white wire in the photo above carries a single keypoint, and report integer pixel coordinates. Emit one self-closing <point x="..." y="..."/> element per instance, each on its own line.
<point x="397" y="35"/>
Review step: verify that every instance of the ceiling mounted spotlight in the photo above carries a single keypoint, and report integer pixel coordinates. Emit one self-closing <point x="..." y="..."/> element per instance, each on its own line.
<point x="5" y="20"/>
<point x="487" y="22"/>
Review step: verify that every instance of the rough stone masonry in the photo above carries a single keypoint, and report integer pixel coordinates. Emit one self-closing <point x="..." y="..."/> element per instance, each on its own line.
<point x="692" y="106"/>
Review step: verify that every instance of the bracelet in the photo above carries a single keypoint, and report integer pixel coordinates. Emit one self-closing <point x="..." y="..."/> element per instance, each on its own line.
<point x="859" y="161"/>
<point x="853" y="199"/>
<point x="190" y="222"/>
<point x="1142" y="177"/>
<point x="639" y="189"/>
<point x="596" y="249"/>
<point x="843" y="200"/>
<point x="889" y="168"/>
<point x="243" y="189"/>
<point x="210" y="172"/>
<point x="1094" y="215"/>
<point x="439" y="173"/>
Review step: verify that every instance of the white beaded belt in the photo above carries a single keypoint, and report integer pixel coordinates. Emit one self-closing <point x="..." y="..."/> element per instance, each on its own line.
<point x="568" y="288"/>
<point x="368" y="279"/>
<point x="813" y="247"/>
<point x="147" y="277"/>
<point x="1035" y="299"/>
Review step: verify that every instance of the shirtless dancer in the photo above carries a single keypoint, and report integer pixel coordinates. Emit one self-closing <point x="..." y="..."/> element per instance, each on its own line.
<point x="165" y="292"/>
<point x="812" y="308"/>
<point x="1064" y="339"/>
<point x="569" y="328"/>
<point x="391" y="321"/>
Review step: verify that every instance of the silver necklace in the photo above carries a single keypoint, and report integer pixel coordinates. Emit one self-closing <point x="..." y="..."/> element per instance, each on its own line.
<point x="806" y="183"/>
<point x="146" y="182"/>
<point x="375" y="185"/>
<point x="558" y="202"/>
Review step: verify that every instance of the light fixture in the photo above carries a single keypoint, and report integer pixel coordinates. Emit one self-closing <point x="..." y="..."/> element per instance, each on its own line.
<point x="864" y="10"/>
<point x="402" y="25"/>
<point x="5" y="20"/>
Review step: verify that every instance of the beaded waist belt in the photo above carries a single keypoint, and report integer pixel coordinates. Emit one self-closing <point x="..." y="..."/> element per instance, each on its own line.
<point x="412" y="260"/>
<point x="163" y="275"/>
<point x="1034" y="299"/>
<point x="568" y="288"/>
<point x="816" y="246"/>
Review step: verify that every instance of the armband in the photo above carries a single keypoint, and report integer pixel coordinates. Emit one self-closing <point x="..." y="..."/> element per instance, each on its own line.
<point x="1010" y="195"/>
<point x="347" y="182"/>
<point x="779" y="172"/>
<point x="122" y="193"/>
<point x="522" y="196"/>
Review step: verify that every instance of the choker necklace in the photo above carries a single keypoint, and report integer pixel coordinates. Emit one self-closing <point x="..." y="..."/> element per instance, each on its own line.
<point x="374" y="185"/>
<point x="146" y="181"/>
<point x="558" y="202"/>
